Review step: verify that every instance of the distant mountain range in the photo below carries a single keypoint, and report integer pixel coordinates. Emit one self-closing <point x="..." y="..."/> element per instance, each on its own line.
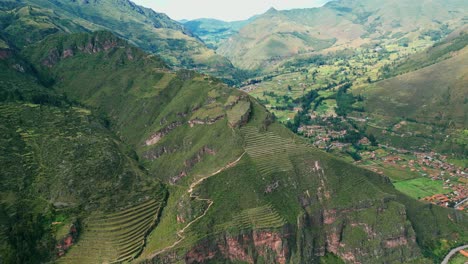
<point x="214" y="32"/>
<point x="112" y="151"/>
<point x="278" y="35"/>
<point x="153" y="32"/>
<point x="430" y="87"/>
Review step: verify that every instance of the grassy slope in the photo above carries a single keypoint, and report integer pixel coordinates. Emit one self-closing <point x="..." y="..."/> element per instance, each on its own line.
<point x="142" y="98"/>
<point x="442" y="50"/>
<point x="339" y="24"/>
<point x="23" y="25"/>
<point x="213" y="32"/>
<point x="439" y="87"/>
<point x="59" y="163"/>
<point x="271" y="37"/>
<point x="432" y="98"/>
<point x="32" y="20"/>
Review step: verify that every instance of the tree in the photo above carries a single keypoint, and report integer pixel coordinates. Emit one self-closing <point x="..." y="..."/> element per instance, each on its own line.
<point x="373" y="140"/>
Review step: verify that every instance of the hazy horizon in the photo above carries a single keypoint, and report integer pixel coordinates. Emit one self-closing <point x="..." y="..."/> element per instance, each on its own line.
<point x="222" y="9"/>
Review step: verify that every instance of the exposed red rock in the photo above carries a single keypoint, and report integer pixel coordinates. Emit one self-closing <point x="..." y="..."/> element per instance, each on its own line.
<point x="211" y="121"/>
<point x="239" y="248"/>
<point x="67" y="53"/>
<point x="349" y="256"/>
<point x="264" y="240"/>
<point x="156" y="137"/>
<point x="333" y="242"/>
<point x="93" y="46"/>
<point x="396" y="242"/>
<point x="4" y="54"/>
<point x="233" y="249"/>
<point x="199" y="255"/>
<point x="180" y="219"/>
<point x="329" y="216"/>
<point x="67" y="242"/>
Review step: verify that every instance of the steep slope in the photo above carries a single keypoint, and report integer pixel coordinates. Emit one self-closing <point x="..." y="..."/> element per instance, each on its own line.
<point x="32" y="20"/>
<point x="60" y="164"/>
<point x="337" y="25"/>
<point x="242" y="187"/>
<point x="270" y="38"/>
<point x="212" y="31"/>
<point x="431" y="90"/>
<point x="445" y="49"/>
<point x="23" y="25"/>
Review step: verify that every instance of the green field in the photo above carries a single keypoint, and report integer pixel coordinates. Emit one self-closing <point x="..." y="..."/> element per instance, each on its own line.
<point x="117" y="237"/>
<point x="159" y="165"/>
<point x="458" y="259"/>
<point x="420" y="187"/>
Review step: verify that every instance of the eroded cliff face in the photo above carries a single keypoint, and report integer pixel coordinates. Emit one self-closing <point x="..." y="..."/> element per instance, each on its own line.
<point x="68" y="241"/>
<point x="355" y="238"/>
<point x="356" y="235"/>
<point x="270" y="246"/>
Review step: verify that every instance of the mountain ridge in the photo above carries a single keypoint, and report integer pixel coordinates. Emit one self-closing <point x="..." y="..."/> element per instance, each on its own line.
<point x="152" y="31"/>
<point x="350" y="23"/>
<point x="110" y="154"/>
<point x="261" y="192"/>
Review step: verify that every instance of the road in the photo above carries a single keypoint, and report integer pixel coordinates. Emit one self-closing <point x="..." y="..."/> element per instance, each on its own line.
<point x="453" y="252"/>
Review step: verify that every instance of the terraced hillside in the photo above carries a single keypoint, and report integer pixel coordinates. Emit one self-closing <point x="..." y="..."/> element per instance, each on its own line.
<point x="257" y="218"/>
<point x="277" y="36"/>
<point x="27" y="21"/>
<point x="116" y="237"/>
<point x="222" y="205"/>
<point x="431" y="90"/>
<point x="60" y="164"/>
<point x="271" y="151"/>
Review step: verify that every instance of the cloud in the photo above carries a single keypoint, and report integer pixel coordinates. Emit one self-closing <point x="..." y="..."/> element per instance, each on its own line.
<point x="223" y="9"/>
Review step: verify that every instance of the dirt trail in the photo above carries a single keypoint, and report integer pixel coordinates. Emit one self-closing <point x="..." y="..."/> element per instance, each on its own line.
<point x="210" y="203"/>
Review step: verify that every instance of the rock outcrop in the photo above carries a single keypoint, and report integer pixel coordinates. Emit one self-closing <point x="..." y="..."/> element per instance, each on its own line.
<point x="271" y="246"/>
<point x="156" y="137"/>
<point x="68" y="241"/>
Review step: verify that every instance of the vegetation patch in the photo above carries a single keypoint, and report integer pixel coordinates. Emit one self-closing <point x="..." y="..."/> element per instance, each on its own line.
<point x="421" y="187"/>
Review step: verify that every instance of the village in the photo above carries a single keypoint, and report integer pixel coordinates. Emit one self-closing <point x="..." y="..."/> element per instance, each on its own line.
<point x="448" y="183"/>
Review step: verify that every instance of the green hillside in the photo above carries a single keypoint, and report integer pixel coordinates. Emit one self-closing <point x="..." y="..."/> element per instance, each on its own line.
<point x="60" y="164"/>
<point x="212" y="31"/>
<point x="279" y="35"/>
<point x="242" y="188"/>
<point x="27" y="21"/>
<point x="431" y="90"/>
<point x="445" y="49"/>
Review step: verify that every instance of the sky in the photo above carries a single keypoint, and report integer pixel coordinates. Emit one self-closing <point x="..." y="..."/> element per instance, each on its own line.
<point x="227" y="10"/>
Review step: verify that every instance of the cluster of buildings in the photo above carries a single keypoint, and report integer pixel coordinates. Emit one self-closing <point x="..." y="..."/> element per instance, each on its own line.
<point x="436" y="167"/>
<point x="439" y="162"/>
<point x="323" y="137"/>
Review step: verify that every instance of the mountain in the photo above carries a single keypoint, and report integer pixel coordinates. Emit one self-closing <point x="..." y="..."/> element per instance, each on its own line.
<point x="60" y="162"/>
<point x="154" y="32"/>
<point x="279" y="35"/>
<point x="430" y="89"/>
<point x="123" y="159"/>
<point x="212" y="31"/>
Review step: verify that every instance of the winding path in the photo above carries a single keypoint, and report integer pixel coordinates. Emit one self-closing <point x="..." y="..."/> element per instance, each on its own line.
<point x="453" y="252"/>
<point x="210" y="203"/>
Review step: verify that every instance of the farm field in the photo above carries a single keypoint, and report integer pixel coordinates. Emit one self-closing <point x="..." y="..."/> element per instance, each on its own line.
<point x="115" y="237"/>
<point x="333" y="134"/>
<point x="421" y="187"/>
<point x="337" y="118"/>
<point x="325" y="72"/>
<point x="458" y="259"/>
